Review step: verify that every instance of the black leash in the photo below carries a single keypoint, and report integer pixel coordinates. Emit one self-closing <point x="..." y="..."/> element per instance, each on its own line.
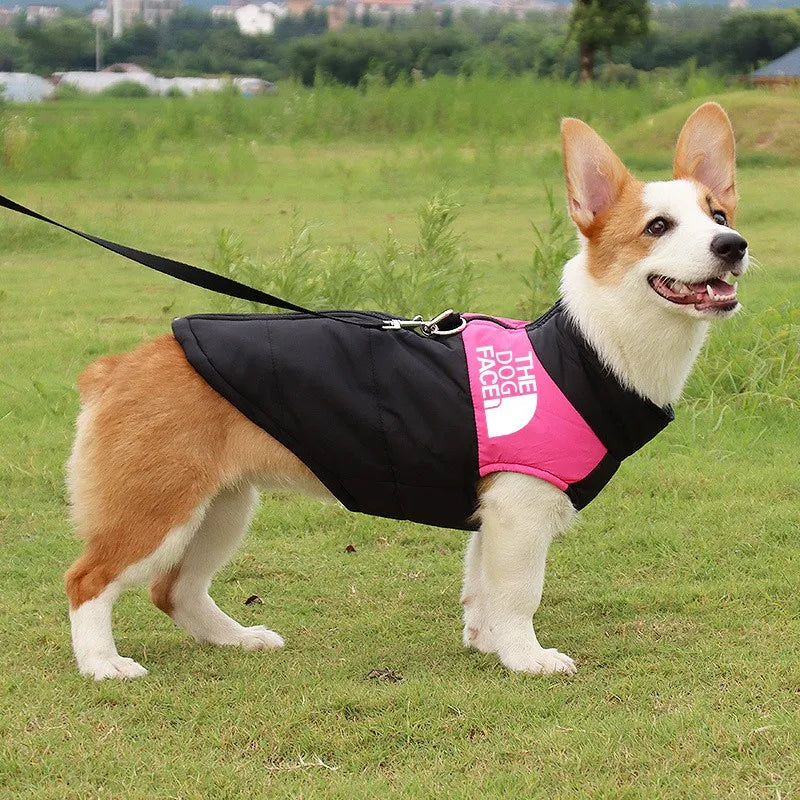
<point x="196" y="276"/>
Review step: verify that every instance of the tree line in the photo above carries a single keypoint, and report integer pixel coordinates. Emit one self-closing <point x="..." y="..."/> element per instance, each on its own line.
<point x="614" y="38"/>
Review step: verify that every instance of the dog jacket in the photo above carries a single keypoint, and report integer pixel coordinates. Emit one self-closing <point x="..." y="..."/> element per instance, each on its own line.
<point x="402" y="426"/>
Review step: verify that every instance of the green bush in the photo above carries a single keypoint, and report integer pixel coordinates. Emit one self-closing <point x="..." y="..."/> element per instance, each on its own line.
<point x="66" y="91"/>
<point x="553" y="246"/>
<point x="15" y="137"/>
<point x="127" y="89"/>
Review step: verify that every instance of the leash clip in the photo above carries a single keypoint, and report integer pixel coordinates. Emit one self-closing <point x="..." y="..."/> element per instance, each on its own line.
<point x="399" y="324"/>
<point x="428" y="327"/>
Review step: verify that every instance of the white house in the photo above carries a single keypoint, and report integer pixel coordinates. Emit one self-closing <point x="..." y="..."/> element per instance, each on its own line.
<point x="42" y="13"/>
<point x="22" y="87"/>
<point x="255" y="19"/>
<point x="98" y="82"/>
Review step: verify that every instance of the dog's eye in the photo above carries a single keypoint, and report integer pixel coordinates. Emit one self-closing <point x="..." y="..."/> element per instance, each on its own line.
<point x="719" y="217"/>
<point x="658" y="226"/>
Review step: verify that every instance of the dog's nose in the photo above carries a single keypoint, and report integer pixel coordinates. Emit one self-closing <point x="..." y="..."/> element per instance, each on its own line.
<point x="730" y="247"/>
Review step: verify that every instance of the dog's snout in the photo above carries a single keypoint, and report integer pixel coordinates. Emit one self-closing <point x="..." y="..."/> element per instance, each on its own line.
<point x="730" y="247"/>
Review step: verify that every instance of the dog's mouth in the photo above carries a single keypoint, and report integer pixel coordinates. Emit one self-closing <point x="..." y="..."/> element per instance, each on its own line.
<point x="713" y="294"/>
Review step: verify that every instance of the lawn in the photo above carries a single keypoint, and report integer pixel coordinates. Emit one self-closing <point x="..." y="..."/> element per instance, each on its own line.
<point x="676" y="593"/>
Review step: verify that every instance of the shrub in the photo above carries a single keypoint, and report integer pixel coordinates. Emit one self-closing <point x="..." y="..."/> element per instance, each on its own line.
<point x="127" y="89"/>
<point x="552" y="248"/>
<point x="15" y="138"/>
<point x="66" y="91"/>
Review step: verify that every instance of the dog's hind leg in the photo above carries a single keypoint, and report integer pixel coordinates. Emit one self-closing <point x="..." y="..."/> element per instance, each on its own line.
<point x="97" y="579"/>
<point x="520" y="515"/>
<point x="182" y="593"/>
<point x="155" y="448"/>
<point x="139" y="481"/>
<point x="130" y="537"/>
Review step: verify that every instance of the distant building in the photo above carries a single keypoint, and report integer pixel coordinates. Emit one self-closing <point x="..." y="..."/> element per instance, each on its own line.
<point x="782" y="71"/>
<point x="151" y="12"/>
<point x="7" y="16"/>
<point x="519" y="8"/>
<point x="298" y="7"/>
<point x="253" y="19"/>
<point x="22" y="87"/>
<point x="385" y="8"/>
<point x="125" y="68"/>
<point x="41" y="13"/>
<point x="99" y="17"/>
<point x="157" y="11"/>
<point x="337" y="15"/>
<point x="98" y="82"/>
<point x="228" y="11"/>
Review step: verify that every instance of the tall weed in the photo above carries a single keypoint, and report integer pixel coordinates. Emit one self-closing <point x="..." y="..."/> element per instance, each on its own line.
<point x="553" y="246"/>
<point x="424" y="279"/>
<point x="15" y="138"/>
<point x="434" y="275"/>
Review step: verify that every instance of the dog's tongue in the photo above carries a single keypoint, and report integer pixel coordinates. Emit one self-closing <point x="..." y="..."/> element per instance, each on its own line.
<point x="720" y="288"/>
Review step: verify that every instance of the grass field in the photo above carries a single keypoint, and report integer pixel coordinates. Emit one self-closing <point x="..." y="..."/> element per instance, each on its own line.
<point x="676" y="593"/>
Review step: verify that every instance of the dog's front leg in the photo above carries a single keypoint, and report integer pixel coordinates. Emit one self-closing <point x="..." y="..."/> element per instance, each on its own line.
<point x="520" y="516"/>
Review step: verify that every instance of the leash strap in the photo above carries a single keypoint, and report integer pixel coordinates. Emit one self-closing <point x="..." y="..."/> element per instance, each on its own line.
<point x="196" y="276"/>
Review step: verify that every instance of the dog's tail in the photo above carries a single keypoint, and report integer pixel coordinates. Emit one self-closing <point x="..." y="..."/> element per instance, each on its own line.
<point x="96" y="377"/>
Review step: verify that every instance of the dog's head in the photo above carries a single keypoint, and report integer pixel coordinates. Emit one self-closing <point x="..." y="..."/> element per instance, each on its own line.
<point x="670" y="242"/>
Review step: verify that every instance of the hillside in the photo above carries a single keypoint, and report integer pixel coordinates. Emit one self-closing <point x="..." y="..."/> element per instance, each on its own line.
<point x="767" y="128"/>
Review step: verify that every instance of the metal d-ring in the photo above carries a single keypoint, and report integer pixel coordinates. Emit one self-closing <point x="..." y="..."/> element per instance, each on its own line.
<point x="426" y="327"/>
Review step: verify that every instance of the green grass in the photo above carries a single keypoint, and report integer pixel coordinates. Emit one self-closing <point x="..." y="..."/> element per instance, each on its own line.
<point x="676" y="592"/>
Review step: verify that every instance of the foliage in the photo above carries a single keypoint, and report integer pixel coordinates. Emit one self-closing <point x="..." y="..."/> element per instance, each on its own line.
<point x="553" y="246"/>
<point x="602" y="24"/>
<point x="139" y="41"/>
<point x="14" y="53"/>
<point x="127" y="89"/>
<point x="348" y="56"/>
<point x="766" y="370"/>
<point x="314" y="22"/>
<point x="433" y="276"/>
<point x="15" y="136"/>
<point x="60" y="44"/>
<point x="747" y="40"/>
<point x="424" y="279"/>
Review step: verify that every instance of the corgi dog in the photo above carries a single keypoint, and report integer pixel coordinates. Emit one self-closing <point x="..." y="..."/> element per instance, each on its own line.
<point x="164" y="470"/>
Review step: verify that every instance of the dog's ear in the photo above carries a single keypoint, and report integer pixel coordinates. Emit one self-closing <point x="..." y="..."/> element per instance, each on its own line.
<point x="706" y="152"/>
<point x="594" y="174"/>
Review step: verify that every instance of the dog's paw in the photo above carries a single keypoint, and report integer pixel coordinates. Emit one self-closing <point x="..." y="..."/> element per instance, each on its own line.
<point x="258" y="637"/>
<point x="538" y="661"/>
<point x="102" y="667"/>
<point x="479" y="639"/>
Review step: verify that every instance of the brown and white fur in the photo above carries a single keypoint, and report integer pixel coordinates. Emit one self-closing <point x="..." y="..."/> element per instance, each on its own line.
<point x="163" y="471"/>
